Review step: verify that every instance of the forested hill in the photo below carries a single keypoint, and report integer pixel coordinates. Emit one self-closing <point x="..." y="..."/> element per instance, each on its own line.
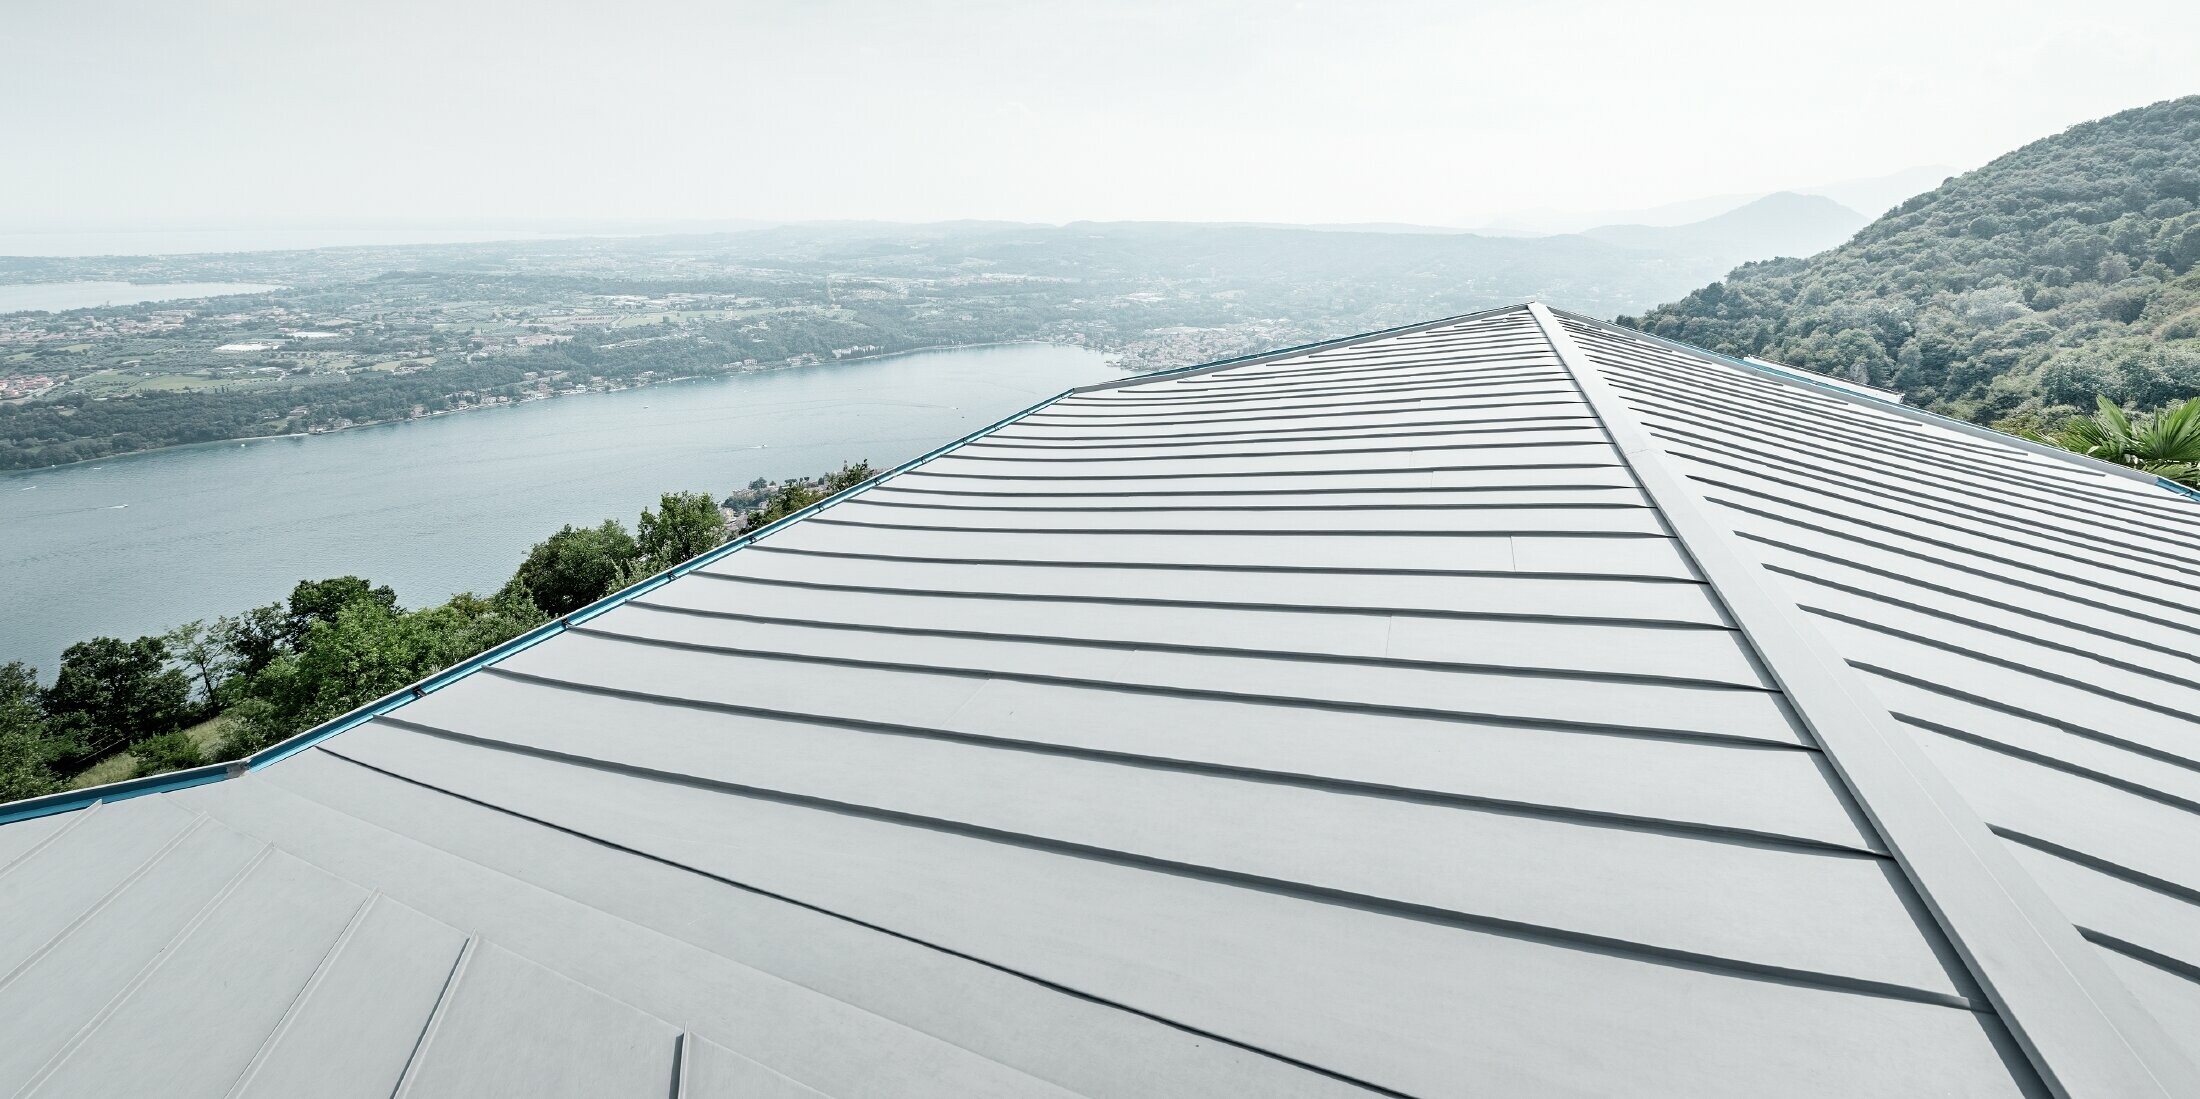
<point x="2015" y="292"/>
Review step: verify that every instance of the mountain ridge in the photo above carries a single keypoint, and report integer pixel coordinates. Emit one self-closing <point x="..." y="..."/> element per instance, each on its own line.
<point x="1783" y="223"/>
<point x="2011" y="294"/>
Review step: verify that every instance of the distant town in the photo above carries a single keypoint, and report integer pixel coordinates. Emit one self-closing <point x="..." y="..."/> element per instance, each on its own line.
<point x="369" y="335"/>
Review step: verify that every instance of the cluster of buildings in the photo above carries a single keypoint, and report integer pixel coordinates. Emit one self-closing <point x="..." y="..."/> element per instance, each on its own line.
<point x="26" y="385"/>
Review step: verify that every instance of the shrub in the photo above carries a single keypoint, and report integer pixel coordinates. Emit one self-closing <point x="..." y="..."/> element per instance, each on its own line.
<point x="167" y="752"/>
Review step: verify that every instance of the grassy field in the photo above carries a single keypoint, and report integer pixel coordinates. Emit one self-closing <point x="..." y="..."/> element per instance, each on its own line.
<point x="165" y="383"/>
<point x="122" y="765"/>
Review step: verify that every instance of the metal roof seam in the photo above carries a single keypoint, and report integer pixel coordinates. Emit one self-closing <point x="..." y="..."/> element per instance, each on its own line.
<point x="2115" y="870"/>
<point x="1204" y="566"/>
<point x="191" y="826"/>
<point x="2042" y="759"/>
<point x="682" y="1062"/>
<point x="305" y="992"/>
<point x="1493" y="467"/>
<point x="436" y="1014"/>
<point x="1999" y="558"/>
<point x="882" y="929"/>
<point x="2058" y="724"/>
<point x="1245" y="532"/>
<point x="2034" y="477"/>
<point x="2138" y="953"/>
<point x="1289" y="655"/>
<point x="1140" y="509"/>
<point x="1106" y="684"/>
<point x="1896" y="408"/>
<point x="46" y="840"/>
<point x="1649" y="952"/>
<point x="2075" y="683"/>
<point x="2011" y="608"/>
<point x="1712" y="740"/>
<point x="2147" y="671"/>
<point x="145" y="973"/>
<point x="1362" y="490"/>
<point x="1507" y="807"/>
<point x="2084" y="1034"/>
<point x="1853" y="486"/>
<point x="1365" y="610"/>
<point x="1957" y="566"/>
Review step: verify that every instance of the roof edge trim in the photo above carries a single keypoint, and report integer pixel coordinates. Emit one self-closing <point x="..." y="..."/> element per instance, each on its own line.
<point x="2074" y="1021"/>
<point x="1801" y="379"/>
<point x="69" y="800"/>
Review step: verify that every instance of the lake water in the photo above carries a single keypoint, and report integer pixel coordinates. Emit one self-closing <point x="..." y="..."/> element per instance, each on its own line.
<point x="53" y="297"/>
<point x="130" y="546"/>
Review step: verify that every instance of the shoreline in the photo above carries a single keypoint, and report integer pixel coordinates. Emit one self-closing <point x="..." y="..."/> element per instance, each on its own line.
<point x="513" y="404"/>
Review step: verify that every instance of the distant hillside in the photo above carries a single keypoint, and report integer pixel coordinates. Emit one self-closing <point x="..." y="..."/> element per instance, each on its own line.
<point x="2061" y="270"/>
<point x="1346" y="279"/>
<point x="1782" y="224"/>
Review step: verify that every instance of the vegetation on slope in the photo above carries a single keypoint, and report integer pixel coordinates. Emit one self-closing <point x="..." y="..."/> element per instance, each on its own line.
<point x="2166" y="444"/>
<point x="205" y="693"/>
<point x="2012" y="295"/>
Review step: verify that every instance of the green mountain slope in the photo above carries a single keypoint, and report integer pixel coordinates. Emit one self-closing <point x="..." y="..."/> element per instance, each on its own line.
<point x="2014" y="292"/>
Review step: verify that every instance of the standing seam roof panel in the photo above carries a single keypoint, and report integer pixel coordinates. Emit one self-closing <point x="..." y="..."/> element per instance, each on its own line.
<point x="1341" y="721"/>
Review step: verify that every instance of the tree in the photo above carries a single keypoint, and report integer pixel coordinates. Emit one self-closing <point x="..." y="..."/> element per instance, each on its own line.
<point x="368" y="650"/>
<point x="254" y="638"/>
<point x="112" y="692"/>
<point x="28" y="746"/>
<point x="575" y="567"/>
<point x="685" y="524"/>
<point x="793" y="496"/>
<point x="2165" y="443"/>
<point x="199" y="648"/>
<point x="320" y="601"/>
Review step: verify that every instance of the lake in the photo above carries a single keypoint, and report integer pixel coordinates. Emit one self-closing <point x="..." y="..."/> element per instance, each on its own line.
<point x="135" y="545"/>
<point x="53" y="297"/>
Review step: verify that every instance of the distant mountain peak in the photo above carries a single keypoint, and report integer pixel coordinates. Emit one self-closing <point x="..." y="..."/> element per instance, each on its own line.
<point x="1783" y="223"/>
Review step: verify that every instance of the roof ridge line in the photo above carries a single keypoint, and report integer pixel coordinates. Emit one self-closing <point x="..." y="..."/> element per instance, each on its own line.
<point x="1796" y="378"/>
<point x="2077" y="1025"/>
<point x="1288" y="352"/>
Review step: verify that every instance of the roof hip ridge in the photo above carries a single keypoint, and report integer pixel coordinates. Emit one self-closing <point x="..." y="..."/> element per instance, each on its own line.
<point x="1332" y="344"/>
<point x="2074" y="1021"/>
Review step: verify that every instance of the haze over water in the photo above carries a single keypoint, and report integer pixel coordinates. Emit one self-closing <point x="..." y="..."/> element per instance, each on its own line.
<point x="135" y="545"/>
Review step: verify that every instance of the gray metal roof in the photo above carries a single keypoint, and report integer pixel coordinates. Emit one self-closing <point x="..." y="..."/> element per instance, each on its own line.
<point x="1509" y="705"/>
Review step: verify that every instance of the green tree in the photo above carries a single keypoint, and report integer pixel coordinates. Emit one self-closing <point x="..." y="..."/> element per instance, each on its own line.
<point x="111" y="692"/>
<point x="320" y="600"/>
<point x="575" y="567"/>
<point x="2165" y="443"/>
<point x="254" y="638"/>
<point x="793" y="496"/>
<point x="28" y="746"/>
<point x="366" y="651"/>
<point x="685" y="524"/>
<point x="199" y="648"/>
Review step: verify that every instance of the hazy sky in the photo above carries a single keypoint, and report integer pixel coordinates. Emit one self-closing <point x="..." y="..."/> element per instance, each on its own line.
<point x="141" y="113"/>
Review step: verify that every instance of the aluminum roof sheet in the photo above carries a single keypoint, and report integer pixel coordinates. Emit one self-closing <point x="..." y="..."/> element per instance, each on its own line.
<point x="1505" y="705"/>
